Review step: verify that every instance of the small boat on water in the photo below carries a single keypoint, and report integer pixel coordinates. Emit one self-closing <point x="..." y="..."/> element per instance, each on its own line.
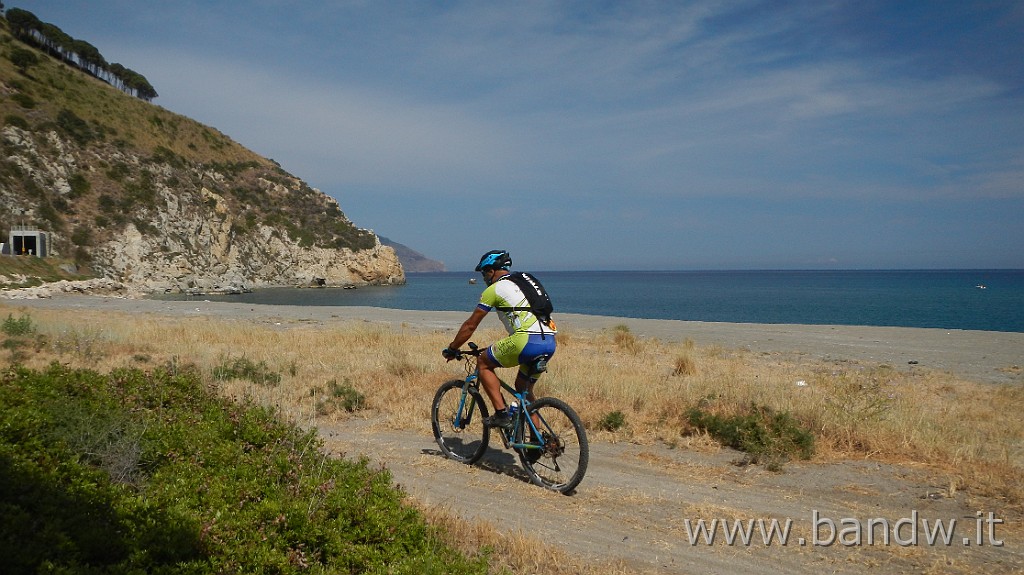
<point x="981" y="286"/>
<point x="472" y="281"/>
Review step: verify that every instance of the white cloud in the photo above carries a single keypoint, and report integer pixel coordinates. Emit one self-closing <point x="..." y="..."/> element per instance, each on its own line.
<point x="373" y="138"/>
<point x="611" y="116"/>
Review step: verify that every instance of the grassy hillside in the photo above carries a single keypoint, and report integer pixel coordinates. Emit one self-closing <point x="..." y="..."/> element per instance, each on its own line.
<point x="95" y="111"/>
<point x="81" y="160"/>
<point x="16" y="272"/>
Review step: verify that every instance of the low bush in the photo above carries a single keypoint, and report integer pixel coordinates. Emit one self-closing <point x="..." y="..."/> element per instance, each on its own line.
<point x="612" y="421"/>
<point x="17" y="327"/>
<point x="340" y="396"/>
<point x="16" y="121"/>
<point x="247" y="369"/>
<point x="625" y="340"/>
<point x="24" y="100"/>
<point x="766" y="436"/>
<point x="686" y="362"/>
<point x="685" y="365"/>
<point x="74" y="127"/>
<point x="22" y="337"/>
<point x="136" y="472"/>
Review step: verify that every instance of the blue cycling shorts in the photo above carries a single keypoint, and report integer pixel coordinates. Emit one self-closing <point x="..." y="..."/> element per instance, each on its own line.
<point x="522" y="349"/>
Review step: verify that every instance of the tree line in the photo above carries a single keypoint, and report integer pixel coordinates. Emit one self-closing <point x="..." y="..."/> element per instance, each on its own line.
<point x="27" y="27"/>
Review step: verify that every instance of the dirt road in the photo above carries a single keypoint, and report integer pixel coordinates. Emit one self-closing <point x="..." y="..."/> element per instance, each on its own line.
<point x="636" y="502"/>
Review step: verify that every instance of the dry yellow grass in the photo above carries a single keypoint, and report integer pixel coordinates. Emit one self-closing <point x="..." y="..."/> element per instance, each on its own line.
<point x="971" y="432"/>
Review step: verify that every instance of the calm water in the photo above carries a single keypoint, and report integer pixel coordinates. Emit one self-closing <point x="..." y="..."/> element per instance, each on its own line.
<point x="942" y="299"/>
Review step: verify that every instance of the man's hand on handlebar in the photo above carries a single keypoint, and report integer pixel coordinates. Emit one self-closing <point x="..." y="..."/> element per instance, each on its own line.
<point x="450" y="354"/>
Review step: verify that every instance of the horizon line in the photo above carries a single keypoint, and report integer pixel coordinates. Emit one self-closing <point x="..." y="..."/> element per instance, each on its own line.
<point x="732" y="270"/>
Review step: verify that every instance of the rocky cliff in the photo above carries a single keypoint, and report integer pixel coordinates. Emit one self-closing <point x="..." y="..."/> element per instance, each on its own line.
<point x="138" y="194"/>
<point x="189" y="231"/>
<point x="194" y="242"/>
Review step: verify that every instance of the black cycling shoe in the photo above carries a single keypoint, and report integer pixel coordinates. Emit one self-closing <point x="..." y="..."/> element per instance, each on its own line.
<point x="499" y="419"/>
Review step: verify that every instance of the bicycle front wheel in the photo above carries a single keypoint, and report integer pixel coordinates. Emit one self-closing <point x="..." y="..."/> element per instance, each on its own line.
<point x="458" y="422"/>
<point x="557" y="460"/>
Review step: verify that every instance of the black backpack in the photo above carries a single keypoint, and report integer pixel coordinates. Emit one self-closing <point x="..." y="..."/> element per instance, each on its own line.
<point x="536" y="296"/>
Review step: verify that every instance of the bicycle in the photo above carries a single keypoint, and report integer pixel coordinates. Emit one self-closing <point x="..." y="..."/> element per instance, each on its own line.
<point x="546" y="433"/>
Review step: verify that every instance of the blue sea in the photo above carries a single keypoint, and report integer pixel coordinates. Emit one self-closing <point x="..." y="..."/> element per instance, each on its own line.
<point x="949" y="299"/>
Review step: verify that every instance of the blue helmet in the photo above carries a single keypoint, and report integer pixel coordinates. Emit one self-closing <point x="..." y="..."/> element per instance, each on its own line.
<point x="494" y="259"/>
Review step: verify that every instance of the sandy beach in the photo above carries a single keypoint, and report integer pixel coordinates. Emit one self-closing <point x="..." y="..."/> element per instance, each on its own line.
<point x="984" y="356"/>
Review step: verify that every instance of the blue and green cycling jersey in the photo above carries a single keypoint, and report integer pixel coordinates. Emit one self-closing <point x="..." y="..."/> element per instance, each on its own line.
<point x="528" y="337"/>
<point x="504" y="294"/>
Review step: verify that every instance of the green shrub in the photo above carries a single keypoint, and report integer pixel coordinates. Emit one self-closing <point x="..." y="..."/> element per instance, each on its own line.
<point x="17" y="348"/>
<point x="76" y="128"/>
<point x="612" y="421"/>
<point x="118" y="172"/>
<point x="24" y="100"/>
<point x="18" y="327"/>
<point x="82" y="236"/>
<point x="82" y="256"/>
<point x="340" y="396"/>
<point x="16" y="121"/>
<point x="23" y="59"/>
<point x="764" y="435"/>
<point x="48" y="212"/>
<point x="15" y="343"/>
<point x="135" y="472"/>
<point x="247" y="369"/>
<point x="107" y="203"/>
<point x="79" y="186"/>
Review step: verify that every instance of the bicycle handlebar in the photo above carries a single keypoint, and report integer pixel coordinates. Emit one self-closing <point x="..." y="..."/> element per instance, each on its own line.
<point x="473" y="351"/>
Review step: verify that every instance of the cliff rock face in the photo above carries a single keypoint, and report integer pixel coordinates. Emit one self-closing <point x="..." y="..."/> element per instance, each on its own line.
<point x="162" y="223"/>
<point x="193" y="248"/>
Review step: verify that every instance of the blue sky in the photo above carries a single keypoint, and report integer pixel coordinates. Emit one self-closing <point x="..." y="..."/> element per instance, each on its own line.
<point x="616" y="135"/>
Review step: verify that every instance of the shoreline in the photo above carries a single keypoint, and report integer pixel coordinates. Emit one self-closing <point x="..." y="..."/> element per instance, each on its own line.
<point x="984" y="356"/>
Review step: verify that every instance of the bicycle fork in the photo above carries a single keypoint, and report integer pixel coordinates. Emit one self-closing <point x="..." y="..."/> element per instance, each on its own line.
<point x="464" y="414"/>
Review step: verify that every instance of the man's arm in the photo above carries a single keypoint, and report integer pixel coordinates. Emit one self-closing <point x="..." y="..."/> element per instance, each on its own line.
<point x="467" y="329"/>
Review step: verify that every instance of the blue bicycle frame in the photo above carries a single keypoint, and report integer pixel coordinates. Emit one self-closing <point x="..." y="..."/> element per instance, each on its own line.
<point x="473" y="382"/>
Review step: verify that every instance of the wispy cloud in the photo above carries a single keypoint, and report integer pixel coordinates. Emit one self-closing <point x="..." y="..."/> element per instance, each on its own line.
<point x="611" y="123"/>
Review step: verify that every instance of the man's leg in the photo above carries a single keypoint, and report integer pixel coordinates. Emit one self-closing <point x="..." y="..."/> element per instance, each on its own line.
<point x="503" y="352"/>
<point x="490" y="382"/>
<point x="525" y="383"/>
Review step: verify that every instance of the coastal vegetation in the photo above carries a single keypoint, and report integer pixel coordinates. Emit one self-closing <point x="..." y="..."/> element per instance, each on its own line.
<point x="150" y="471"/>
<point x="18" y="272"/>
<point x="771" y="409"/>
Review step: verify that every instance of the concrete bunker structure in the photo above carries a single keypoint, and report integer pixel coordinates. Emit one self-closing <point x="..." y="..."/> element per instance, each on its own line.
<point x="27" y="241"/>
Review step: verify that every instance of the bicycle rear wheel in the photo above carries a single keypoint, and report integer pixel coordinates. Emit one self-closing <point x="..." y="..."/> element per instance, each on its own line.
<point x="458" y="422"/>
<point x="561" y="462"/>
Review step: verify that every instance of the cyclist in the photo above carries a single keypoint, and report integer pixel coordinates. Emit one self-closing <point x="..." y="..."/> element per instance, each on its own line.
<point x="530" y="343"/>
